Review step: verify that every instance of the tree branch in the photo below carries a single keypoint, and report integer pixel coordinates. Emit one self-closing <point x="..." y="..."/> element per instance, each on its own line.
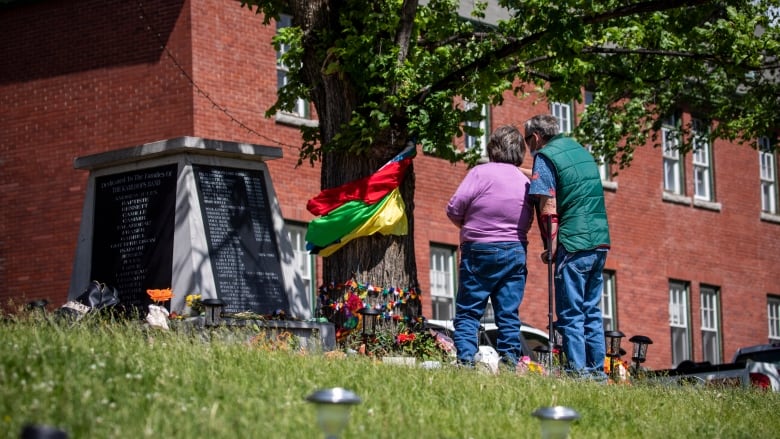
<point x="516" y="45"/>
<point x="643" y="51"/>
<point x="641" y="8"/>
<point x="406" y="24"/>
<point x="457" y="38"/>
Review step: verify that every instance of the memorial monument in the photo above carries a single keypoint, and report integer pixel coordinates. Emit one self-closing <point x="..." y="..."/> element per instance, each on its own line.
<point x="195" y="215"/>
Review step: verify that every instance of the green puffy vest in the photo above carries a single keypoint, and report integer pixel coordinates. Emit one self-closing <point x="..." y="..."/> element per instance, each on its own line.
<point x="582" y="215"/>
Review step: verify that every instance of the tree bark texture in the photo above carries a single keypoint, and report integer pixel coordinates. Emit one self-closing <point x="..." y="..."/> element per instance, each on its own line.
<point x="379" y="260"/>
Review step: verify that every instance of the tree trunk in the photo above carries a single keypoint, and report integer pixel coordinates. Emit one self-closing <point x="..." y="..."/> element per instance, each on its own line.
<point x="378" y="260"/>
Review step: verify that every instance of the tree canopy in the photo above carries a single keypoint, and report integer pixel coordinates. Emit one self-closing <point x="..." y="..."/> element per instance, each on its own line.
<point x="382" y="72"/>
<point x="407" y="63"/>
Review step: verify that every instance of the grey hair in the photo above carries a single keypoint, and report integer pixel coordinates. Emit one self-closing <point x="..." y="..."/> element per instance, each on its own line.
<point x="506" y="145"/>
<point x="545" y="124"/>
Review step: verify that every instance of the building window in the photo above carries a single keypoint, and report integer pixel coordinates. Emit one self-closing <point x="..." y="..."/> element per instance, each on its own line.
<point x="679" y="322"/>
<point x="710" y="325"/>
<point x="564" y="114"/>
<point x="604" y="168"/>
<point x="483" y="123"/>
<point x="702" y="162"/>
<point x="673" y="169"/>
<point x="304" y="261"/>
<point x="609" y="302"/>
<point x="443" y="282"/>
<point x="301" y="108"/>
<point x="773" y="314"/>
<point x="768" y="163"/>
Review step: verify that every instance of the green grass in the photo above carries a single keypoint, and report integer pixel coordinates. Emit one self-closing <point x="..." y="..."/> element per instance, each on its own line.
<point x="105" y="379"/>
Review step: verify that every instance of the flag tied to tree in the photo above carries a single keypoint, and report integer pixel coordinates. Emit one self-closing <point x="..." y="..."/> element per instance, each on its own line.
<point x="360" y="208"/>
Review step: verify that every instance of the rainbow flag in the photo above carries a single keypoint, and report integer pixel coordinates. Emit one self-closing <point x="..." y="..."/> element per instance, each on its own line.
<point x="360" y="208"/>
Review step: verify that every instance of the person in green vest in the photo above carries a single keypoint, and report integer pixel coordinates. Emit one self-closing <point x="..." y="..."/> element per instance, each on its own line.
<point x="573" y="218"/>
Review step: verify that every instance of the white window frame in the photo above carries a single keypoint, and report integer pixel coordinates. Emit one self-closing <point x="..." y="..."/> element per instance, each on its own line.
<point x="702" y="162"/>
<point x="768" y="174"/>
<point x="565" y="115"/>
<point x="711" y="346"/>
<point x="301" y="109"/>
<point x="304" y="261"/>
<point x="673" y="169"/>
<point x="773" y="318"/>
<point x="605" y="170"/>
<point x="679" y="322"/>
<point x="609" y="302"/>
<point x="471" y="142"/>
<point x="443" y="281"/>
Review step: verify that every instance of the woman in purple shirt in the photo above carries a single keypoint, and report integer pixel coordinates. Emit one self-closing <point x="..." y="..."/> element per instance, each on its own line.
<point x="493" y="211"/>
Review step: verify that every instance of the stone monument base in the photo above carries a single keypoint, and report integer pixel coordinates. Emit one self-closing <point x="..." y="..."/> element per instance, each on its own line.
<point x="313" y="336"/>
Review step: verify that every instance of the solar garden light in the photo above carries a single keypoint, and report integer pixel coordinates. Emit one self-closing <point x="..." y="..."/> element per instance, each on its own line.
<point x="640" y="349"/>
<point x="38" y="306"/>
<point x="32" y="431"/>
<point x="333" y="407"/>
<point x="369" y="323"/>
<point x="213" y="308"/>
<point x="556" y="421"/>
<point x="613" y="348"/>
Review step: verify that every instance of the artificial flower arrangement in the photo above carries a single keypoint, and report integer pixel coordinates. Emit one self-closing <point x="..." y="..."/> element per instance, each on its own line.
<point x="426" y="344"/>
<point x="398" y="328"/>
<point x="195" y="303"/>
<point x="621" y="371"/>
<point x="160" y="296"/>
<point x="400" y="338"/>
<point x="158" y="315"/>
<point x="527" y="365"/>
<point x="340" y="303"/>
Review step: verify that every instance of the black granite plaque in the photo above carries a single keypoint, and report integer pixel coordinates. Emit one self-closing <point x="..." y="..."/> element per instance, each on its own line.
<point x="241" y="240"/>
<point x="132" y="244"/>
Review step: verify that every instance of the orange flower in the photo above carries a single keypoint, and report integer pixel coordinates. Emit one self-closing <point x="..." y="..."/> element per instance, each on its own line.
<point x="160" y="295"/>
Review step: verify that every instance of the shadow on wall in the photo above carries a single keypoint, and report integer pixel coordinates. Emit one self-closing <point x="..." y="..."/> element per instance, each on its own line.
<point x="54" y="38"/>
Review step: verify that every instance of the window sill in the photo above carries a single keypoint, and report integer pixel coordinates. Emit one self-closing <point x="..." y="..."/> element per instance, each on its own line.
<point x="676" y="198"/>
<point x="770" y="217"/>
<point x="291" y="119"/>
<point x="709" y="205"/>
<point x="609" y="185"/>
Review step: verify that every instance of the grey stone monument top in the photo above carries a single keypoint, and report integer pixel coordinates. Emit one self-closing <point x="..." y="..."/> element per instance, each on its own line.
<point x="178" y="145"/>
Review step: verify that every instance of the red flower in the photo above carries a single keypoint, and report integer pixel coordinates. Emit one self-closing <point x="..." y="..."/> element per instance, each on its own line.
<point x="354" y="303"/>
<point x="404" y="338"/>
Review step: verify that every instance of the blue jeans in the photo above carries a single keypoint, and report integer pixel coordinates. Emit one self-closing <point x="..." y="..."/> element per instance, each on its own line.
<point x="494" y="270"/>
<point x="578" y="289"/>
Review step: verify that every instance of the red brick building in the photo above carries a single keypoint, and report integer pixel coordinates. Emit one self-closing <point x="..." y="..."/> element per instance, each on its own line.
<point x="696" y="238"/>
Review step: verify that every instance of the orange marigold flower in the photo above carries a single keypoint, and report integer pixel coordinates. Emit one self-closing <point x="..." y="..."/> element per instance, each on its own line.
<point x="160" y="295"/>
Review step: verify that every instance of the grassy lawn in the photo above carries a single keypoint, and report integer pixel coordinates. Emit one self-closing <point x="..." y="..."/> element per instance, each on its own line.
<point x="102" y="379"/>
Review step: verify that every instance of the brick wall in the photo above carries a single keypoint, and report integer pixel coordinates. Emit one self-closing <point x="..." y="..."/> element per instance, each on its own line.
<point x="77" y="78"/>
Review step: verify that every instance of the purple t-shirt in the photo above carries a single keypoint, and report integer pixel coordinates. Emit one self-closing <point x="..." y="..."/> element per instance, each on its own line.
<point x="492" y="204"/>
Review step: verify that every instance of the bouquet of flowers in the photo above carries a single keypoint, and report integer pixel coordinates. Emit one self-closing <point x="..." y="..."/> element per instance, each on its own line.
<point x="194" y="303"/>
<point x="158" y="314"/>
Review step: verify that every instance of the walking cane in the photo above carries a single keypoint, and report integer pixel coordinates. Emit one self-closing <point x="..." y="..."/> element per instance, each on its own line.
<point x="551" y="334"/>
